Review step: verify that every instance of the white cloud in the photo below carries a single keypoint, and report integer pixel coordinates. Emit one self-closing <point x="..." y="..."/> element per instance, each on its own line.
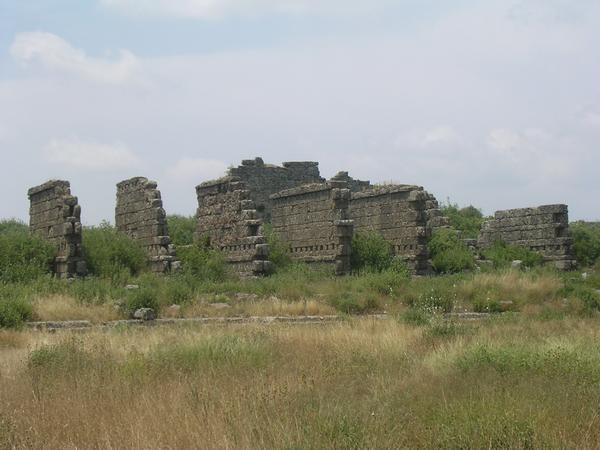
<point x="532" y="153"/>
<point x="90" y="155"/>
<point x="196" y="170"/>
<point x="440" y="138"/>
<point x="54" y="53"/>
<point x="211" y="9"/>
<point x="592" y="118"/>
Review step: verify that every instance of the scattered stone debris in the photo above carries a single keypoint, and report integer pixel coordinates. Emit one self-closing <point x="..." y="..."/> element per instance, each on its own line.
<point x="144" y="314"/>
<point x="219" y="305"/>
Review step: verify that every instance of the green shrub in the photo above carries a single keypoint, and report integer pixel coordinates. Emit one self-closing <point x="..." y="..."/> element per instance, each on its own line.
<point x="110" y="254"/>
<point x="586" y="242"/>
<point x="177" y="290"/>
<point x="202" y="263"/>
<point x="181" y="229"/>
<point x="436" y="299"/>
<point x="466" y="220"/>
<point x="144" y="297"/>
<point x="502" y="254"/>
<point x="349" y="302"/>
<point x="371" y="252"/>
<point x="416" y="317"/>
<point x="448" y="253"/>
<point x="13" y="226"/>
<point x="14" y="311"/>
<point x="446" y="329"/>
<point x="278" y="251"/>
<point x="24" y="257"/>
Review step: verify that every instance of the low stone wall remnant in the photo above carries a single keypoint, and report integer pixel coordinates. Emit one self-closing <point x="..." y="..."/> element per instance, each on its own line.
<point x="55" y="215"/>
<point x="314" y="221"/>
<point x="140" y="215"/>
<point x="228" y="221"/>
<point x="401" y="214"/>
<point x="544" y="229"/>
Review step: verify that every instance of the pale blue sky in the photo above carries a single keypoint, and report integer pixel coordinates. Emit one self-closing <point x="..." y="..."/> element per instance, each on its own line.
<point x="494" y="103"/>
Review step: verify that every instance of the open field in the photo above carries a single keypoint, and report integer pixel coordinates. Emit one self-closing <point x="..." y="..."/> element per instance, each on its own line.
<point x="508" y="382"/>
<point x="527" y="376"/>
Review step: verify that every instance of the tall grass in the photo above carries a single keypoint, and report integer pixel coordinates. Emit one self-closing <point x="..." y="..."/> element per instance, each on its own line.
<point x="357" y="384"/>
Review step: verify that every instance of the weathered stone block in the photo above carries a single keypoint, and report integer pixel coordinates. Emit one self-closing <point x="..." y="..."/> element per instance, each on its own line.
<point x="140" y="215"/>
<point x="55" y="216"/>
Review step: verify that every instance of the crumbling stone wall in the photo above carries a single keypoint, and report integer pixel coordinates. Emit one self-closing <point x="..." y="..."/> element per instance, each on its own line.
<point x="400" y="213"/>
<point x="544" y="229"/>
<point x="435" y="217"/>
<point x="140" y="215"/>
<point x="262" y="180"/>
<point x="353" y="184"/>
<point x="54" y="214"/>
<point x="314" y="221"/>
<point x="228" y="220"/>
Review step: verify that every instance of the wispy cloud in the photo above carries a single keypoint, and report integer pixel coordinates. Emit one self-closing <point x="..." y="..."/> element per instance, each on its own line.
<point x="196" y="170"/>
<point x="54" y="53"/>
<point x="212" y="9"/>
<point x="88" y="155"/>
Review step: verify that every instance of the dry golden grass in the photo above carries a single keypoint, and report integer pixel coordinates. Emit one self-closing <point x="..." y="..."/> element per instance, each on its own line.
<point x="512" y="285"/>
<point x="357" y="384"/>
<point x="64" y="307"/>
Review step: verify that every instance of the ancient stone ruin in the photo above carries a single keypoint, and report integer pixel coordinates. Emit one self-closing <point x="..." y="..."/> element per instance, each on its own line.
<point x="228" y="221"/>
<point x="314" y="221"/>
<point x="262" y="180"/>
<point x="544" y="229"/>
<point x="55" y="216"/>
<point x="140" y="215"/>
<point x="353" y="184"/>
<point x="400" y="214"/>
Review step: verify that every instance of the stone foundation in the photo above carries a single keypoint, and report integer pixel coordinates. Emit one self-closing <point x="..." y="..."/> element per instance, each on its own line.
<point x="54" y="214"/>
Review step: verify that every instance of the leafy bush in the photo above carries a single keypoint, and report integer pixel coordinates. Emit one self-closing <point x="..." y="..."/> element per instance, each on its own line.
<point x="416" y="317"/>
<point x="203" y="263"/>
<point x="110" y="254"/>
<point x="502" y="254"/>
<point x="181" y="229"/>
<point x="466" y="220"/>
<point x="23" y="257"/>
<point x="14" y="311"/>
<point x="448" y="253"/>
<point x="144" y="297"/>
<point x="586" y="237"/>
<point x="349" y="302"/>
<point x="12" y="226"/>
<point x="371" y="253"/>
<point x="446" y="329"/>
<point x="278" y="250"/>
